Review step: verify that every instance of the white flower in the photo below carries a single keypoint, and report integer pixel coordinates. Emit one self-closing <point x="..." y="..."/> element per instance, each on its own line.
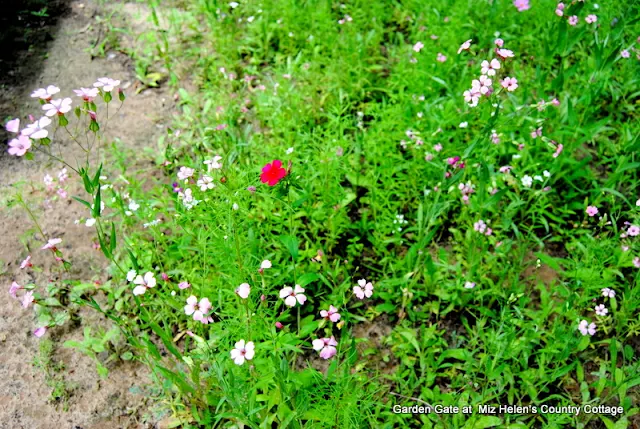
<point x="608" y="293"/>
<point x="363" y="289"/>
<point x="243" y="290"/>
<point x="293" y="295"/>
<point x="106" y="84"/>
<point x="466" y="45"/>
<point x="131" y="275"/>
<point x="133" y="206"/>
<point x="214" y="164"/>
<point x="545" y="173"/>
<point x="489" y="67"/>
<point x="57" y="107"/>
<point x="587" y="328"/>
<point x="464" y="124"/>
<point x="469" y="285"/>
<point x="206" y="182"/>
<point x="289" y="151"/>
<point x="242" y="352"/>
<point x="233" y="5"/>
<point x="90" y="222"/>
<point x="185" y="173"/>
<point x="199" y="310"/>
<point x="265" y="264"/>
<point x="45" y="93"/>
<point x="36" y="130"/>
<point x="601" y="310"/>
<point x="144" y="283"/>
<point x="527" y="181"/>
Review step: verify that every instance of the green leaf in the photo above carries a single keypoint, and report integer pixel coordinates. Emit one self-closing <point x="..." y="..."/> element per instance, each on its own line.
<point x="291" y="243"/>
<point x="307" y="278"/>
<point x="112" y="243"/>
<point x="487" y="422"/>
<point x="86" y="203"/>
<point x="97" y="203"/>
<point x="126" y="356"/>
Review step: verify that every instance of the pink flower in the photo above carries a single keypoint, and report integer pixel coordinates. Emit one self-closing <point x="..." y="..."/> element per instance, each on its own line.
<point x="465" y="46"/>
<point x="608" y="293"/>
<point x="504" y="53"/>
<point x="19" y="146"/>
<point x="242" y="352"/>
<point x="441" y="58"/>
<point x="573" y="20"/>
<point x="521" y="5"/>
<point x="45" y="93"/>
<point x="26" y="263"/>
<point x="198" y="309"/>
<point x="185" y="173"/>
<point x="144" y="283"/>
<point x="489" y="67"/>
<point x="481" y="85"/>
<point x="332" y="314"/>
<point x="418" y="46"/>
<point x="13" y="126"/>
<point x="27" y="299"/>
<point x="40" y="331"/>
<point x="633" y="230"/>
<point x="291" y="295"/>
<point x="560" y="9"/>
<point x="590" y="19"/>
<point x="87" y="94"/>
<point x="480" y="226"/>
<point x="601" y="310"/>
<point x="587" y="328"/>
<point x="624" y="54"/>
<point x="57" y="107"/>
<point x="505" y="169"/>
<point x="472" y="96"/>
<point x="536" y="133"/>
<point x="509" y="83"/>
<point x="592" y="211"/>
<point x="279" y="325"/>
<point x="184" y="285"/>
<point x="437" y="147"/>
<point x="326" y="347"/>
<point x="106" y="84"/>
<point x="499" y="43"/>
<point x="636" y="262"/>
<point x="51" y="244"/>
<point x="251" y="189"/>
<point x="206" y="182"/>
<point x="36" y="130"/>
<point x="14" y="288"/>
<point x="364" y="289"/>
<point x="243" y="290"/>
<point x="265" y="264"/>
<point x="63" y="175"/>
<point x="272" y="173"/>
<point x="214" y="163"/>
<point x="558" y="151"/>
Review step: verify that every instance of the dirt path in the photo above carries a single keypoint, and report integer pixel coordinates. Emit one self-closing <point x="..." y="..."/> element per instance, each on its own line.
<point x="94" y="403"/>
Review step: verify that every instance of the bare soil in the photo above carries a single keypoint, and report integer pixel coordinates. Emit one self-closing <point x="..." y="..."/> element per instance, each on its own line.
<point x="38" y="51"/>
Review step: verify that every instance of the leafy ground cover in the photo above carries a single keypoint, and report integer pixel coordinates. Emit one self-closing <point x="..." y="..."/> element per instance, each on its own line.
<point x="376" y="204"/>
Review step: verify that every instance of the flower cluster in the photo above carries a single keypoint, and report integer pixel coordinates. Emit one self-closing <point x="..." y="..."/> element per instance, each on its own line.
<point x="489" y="69"/>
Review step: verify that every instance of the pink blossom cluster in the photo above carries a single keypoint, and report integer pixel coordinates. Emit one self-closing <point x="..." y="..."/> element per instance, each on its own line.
<point x="489" y="69"/>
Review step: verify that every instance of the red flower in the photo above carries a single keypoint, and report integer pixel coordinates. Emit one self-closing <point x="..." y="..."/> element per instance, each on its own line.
<point x="272" y="173"/>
